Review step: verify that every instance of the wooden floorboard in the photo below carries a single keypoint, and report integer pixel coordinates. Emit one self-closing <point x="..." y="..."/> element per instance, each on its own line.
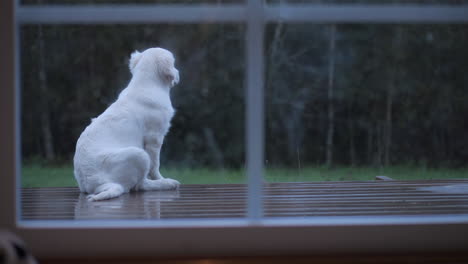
<point x="368" y="198"/>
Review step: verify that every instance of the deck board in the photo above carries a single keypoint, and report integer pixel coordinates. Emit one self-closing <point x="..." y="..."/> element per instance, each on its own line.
<point x="368" y="198"/>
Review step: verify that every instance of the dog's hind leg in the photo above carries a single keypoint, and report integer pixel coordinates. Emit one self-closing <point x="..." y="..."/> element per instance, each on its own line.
<point x="122" y="170"/>
<point x="106" y="191"/>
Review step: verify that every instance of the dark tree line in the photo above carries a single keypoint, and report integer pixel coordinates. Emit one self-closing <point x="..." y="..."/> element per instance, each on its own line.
<point x="370" y="95"/>
<point x="398" y="94"/>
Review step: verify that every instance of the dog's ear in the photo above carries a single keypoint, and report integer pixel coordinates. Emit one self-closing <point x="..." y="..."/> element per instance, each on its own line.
<point x="134" y="59"/>
<point x="168" y="73"/>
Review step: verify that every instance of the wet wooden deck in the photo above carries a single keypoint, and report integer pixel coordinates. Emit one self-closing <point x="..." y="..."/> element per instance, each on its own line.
<point x="439" y="197"/>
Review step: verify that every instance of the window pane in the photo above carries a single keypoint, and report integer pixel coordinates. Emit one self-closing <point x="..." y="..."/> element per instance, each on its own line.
<point x="71" y="74"/>
<point x="351" y="102"/>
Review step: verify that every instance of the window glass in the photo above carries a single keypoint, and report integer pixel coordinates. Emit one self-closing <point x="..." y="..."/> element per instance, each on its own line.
<point x="351" y="102"/>
<point x="70" y="74"/>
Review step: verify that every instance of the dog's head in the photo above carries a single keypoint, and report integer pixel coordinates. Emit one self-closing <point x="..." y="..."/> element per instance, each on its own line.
<point x="157" y="61"/>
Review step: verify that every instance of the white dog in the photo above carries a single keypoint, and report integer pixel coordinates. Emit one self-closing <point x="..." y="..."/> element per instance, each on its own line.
<point x="119" y="150"/>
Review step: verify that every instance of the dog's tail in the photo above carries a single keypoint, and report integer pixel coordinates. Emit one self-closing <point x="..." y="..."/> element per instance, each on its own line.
<point x="106" y="191"/>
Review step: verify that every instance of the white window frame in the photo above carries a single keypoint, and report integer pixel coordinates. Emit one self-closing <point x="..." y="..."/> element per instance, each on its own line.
<point x="253" y="235"/>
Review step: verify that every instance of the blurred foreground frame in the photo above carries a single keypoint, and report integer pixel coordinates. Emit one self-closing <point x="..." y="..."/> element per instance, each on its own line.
<point x="456" y="243"/>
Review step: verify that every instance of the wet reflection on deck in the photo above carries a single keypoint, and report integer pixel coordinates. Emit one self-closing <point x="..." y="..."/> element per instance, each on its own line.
<point x="144" y="205"/>
<point x="368" y="198"/>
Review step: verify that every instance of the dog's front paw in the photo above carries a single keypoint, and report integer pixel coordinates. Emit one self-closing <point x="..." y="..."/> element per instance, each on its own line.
<point x="91" y="198"/>
<point x="170" y="183"/>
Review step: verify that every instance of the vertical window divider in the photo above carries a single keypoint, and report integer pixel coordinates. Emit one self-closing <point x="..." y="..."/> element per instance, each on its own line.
<point x="255" y="108"/>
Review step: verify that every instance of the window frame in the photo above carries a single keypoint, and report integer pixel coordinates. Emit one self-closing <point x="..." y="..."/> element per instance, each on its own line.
<point x="253" y="235"/>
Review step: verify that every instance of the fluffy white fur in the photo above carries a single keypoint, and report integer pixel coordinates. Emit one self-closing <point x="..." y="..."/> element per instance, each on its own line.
<point x="119" y="150"/>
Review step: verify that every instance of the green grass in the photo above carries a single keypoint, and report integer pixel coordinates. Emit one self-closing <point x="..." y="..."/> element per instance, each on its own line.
<point x="362" y="174"/>
<point x="48" y="176"/>
<point x="39" y="176"/>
